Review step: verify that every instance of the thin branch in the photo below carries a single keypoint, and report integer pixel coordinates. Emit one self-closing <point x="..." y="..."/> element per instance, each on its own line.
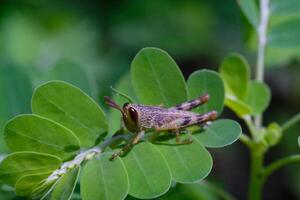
<point x="262" y="41"/>
<point x="291" y="122"/>
<point x="280" y="163"/>
<point x="84" y="156"/>
<point x="246" y="140"/>
<point x="252" y="129"/>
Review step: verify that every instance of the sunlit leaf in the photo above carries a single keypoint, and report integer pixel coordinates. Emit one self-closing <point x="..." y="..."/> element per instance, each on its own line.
<point x="104" y="179"/>
<point x="157" y="79"/>
<point x="33" y="133"/>
<point x="207" y="82"/>
<point x="238" y="106"/>
<point x="235" y="73"/>
<point x="148" y="172"/>
<point x="17" y="165"/>
<point x="69" y="106"/>
<point x="259" y="97"/>
<point x="220" y="133"/>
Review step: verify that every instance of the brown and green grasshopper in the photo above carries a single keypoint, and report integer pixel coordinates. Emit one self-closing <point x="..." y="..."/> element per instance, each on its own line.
<point x="140" y="118"/>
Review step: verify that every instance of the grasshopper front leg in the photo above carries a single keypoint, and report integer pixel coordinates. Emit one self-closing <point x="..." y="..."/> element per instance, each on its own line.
<point x="133" y="142"/>
<point x="186" y="141"/>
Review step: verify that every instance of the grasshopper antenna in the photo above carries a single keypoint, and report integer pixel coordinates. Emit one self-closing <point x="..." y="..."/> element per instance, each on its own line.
<point x="122" y="95"/>
<point x="112" y="103"/>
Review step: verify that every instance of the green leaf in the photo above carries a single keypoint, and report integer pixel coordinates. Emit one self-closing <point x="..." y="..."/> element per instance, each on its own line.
<point x="33" y="133"/>
<point x="69" y="106"/>
<point x="17" y="165"/>
<point x="299" y="141"/>
<point x="65" y="186"/>
<point x="220" y="133"/>
<point x="259" y="97"/>
<point x="157" y="79"/>
<point x="285" y="34"/>
<point x="188" y="163"/>
<point x="148" y="173"/>
<point x="273" y="134"/>
<point x="239" y="107"/>
<point x="207" y="82"/>
<point x="71" y="73"/>
<point x="104" y="179"/>
<point x="15" y="92"/>
<point x="124" y="85"/>
<point x="235" y="73"/>
<point x="26" y="183"/>
<point x="250" y="10"/>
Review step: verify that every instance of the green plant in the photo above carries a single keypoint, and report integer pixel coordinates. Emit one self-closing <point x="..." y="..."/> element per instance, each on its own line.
<point x="67" y="128"/>
<point x="67" y="140"/>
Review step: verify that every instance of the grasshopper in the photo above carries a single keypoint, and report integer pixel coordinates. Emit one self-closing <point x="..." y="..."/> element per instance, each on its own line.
<point x="140" y="118"/>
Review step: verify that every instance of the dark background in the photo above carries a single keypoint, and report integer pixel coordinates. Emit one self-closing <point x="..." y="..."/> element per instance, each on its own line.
<point x="91" y="44"/>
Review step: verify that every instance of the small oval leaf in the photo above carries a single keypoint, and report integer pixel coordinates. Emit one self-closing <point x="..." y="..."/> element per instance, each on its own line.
<point x="220" y="133"/>
<point x="259" y="97"/>
<point x="235" y="73"/>
<point x="157" y="79"/>
<point x="19" y="164"/>
<point x="237" y="106"/>
<point x="69" y="106"/>
<point x="104" y="179"/>
<point x="207" y="82"/>
<point x="188" y="162"/>
<point x="148" y="172"/>
<point x="38" y="134"/>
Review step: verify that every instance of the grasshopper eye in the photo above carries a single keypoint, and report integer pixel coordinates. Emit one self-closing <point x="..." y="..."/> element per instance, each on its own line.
<point x="133" y="114"/>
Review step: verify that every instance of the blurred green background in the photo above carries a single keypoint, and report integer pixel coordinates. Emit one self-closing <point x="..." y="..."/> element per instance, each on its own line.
<point x="91" y="44"/>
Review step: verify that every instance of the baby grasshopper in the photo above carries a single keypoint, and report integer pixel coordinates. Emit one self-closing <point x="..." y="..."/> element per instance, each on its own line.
<point x="140" y="118"/>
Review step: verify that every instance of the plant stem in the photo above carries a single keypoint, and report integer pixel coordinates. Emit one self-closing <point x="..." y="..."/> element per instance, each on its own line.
<point x="291" y="122"/>
<point x="257" y="156"/>
<point x="262" y="41"/>
<point x="246" y="140"/>
<point x="280" y="163"/>
<point x="256" y="178"/>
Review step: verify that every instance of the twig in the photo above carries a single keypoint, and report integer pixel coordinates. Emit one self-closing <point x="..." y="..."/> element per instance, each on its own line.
<point x="279" y="164"/>
<point x="262" y="41"/>
<point x="291" y="122"/>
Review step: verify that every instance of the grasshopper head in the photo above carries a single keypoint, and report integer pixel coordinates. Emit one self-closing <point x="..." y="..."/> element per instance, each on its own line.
<point x="129" y="113"/>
